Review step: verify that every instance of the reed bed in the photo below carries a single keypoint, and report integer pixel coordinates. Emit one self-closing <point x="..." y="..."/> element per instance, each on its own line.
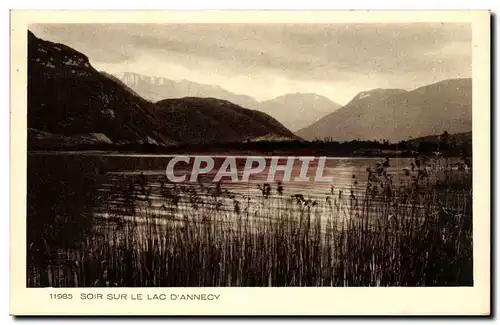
<point x="414" y="233"/>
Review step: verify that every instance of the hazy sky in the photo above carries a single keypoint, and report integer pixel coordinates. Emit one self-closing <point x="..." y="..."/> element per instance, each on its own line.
<point x="269" y="60"/>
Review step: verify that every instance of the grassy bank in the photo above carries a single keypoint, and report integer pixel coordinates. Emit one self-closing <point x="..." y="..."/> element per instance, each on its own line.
<point x="418" y="233"/>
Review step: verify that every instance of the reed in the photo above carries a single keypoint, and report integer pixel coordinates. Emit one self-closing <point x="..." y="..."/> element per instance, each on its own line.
<point x="414" y="233"/>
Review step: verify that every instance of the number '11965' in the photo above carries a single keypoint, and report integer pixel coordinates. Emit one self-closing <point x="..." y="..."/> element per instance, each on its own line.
<point x="61" y="296"/>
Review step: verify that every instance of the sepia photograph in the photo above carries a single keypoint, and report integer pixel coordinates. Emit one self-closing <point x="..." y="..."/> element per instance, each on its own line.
<point x="249" y="154"/>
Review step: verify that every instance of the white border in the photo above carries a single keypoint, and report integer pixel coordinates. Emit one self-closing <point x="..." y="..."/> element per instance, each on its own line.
<point x="477" y="144"/>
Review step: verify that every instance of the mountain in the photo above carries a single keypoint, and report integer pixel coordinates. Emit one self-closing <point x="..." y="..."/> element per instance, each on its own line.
<point x="295" y="111"/>
<point x="121" y="83"/>
<point x="396" y="114"/>
<point x="158" y="88"/>
<point x="208" y="120"/>
<point x="298" y="110"/>
<point x="69" y="102"/>
<point x="69" y="99"/>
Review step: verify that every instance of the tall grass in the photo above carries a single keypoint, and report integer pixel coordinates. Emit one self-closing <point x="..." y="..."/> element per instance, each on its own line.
<point x="414" y="233"/>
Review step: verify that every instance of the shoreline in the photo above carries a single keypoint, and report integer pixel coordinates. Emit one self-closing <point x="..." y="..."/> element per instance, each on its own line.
<point x="219" y="153"/>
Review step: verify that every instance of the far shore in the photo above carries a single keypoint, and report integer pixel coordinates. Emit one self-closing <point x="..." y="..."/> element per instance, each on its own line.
<point x="385" y="154"/>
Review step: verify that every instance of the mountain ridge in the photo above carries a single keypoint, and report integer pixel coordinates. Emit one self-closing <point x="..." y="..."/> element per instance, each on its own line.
<point x="217" y="120"/>
<point x="66" y="95"/>
<point x="297" y="110"/>
<point x="71" y="103"/>
<point x="158" y="88"/>
<point x="287" y="108"/>
<point x="399" y="114"/>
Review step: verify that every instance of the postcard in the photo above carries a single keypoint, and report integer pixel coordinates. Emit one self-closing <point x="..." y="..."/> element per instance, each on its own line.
<point x="250" y="163"/>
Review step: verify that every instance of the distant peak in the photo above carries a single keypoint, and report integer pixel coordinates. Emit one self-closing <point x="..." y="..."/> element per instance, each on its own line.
<point x="301" y="97"/>
<point x="300" y="94"/>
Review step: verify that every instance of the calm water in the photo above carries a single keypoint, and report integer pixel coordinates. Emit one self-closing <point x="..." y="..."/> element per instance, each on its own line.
<point x="77" y="200"/>
<point x="346" y="174"/>
<point x="91" y="181"/>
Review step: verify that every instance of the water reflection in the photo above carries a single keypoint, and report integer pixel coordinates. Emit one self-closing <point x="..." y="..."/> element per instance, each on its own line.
<point x="75" y="198"/>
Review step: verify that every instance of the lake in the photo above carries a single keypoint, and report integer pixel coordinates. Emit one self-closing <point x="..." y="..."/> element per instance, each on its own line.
<point x="103" y="171"/>
<point x="100" y="183"/>
<point x="78" y="205"/>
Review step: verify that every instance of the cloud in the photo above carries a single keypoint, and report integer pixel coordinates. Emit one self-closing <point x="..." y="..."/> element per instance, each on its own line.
<point x="342" y="57"/>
